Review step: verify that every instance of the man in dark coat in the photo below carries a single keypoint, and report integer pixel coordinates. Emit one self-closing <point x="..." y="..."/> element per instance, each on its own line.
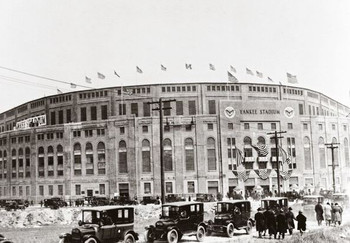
<point x="290" y="220"/>
<point x="281" y="224"/>
<point x="260" y="222"/>
<point x="270" y="222"/>
<point x="319" y="213"/>
<point x="301" y="222"/>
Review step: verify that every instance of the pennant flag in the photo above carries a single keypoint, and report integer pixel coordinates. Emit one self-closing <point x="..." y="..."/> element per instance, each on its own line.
<point x="231" y="78"/>
<point x="285" y="156"/>
<point x="292" y="78"/>
<point x="188" y="66"/>
<point x="211" y="67"/>
<point x="59" y="91"/>
<point x="139" y="70"/>
<point x="259" y="74"/>
<point x="233" y="69"/>
<point x="116" y="74"/>
<point x="263" y="173"/>
<point x="280" y="83"/>
<point x="163" y="68"/>
<point x="88" y="80"/>
<point x="100" y="75"/>
<point x="127" y="91"/>
<point x="286" y="174"/>
<point x="270" y="79"/>
<point x="239" y="157"/>
<point x="262" y="149"/>
<point x="73" y="86"/>
<point x="248" y="71"/>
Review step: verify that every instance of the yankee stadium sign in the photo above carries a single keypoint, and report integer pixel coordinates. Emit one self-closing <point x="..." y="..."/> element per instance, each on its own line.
<point x="36" y="121"/>
<point x="259" y="112"/>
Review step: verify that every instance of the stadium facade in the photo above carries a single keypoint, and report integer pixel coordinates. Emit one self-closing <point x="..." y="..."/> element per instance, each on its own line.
<point x="106" y="142"/>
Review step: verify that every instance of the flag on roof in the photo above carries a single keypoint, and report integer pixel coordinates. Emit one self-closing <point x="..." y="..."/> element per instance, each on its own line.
<point x="100" y="75"/>
<point x="162" y="67"/>
<point x="259" y="74"/>
<point x="248" y="71"/>
<point x="270" y="79"/>
<point x="73" y="86"/>
<point x="59" y="91"/>
<point x="292" y="78"/>
<point x="188" y="66"/>
<point x="116" y="74"/>
<point x="233" y="69"/>
<point x="88" y="80"/>
<point x="231" y="78"/>
<point x="127" y="91"/>
<point x="262" y="149"/>
<point x="139" y="70"/>
<point x="211" y="67"/>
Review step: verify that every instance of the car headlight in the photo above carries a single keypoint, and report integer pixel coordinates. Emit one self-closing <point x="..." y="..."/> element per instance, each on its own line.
<point x="159" y="224"/>
<point x="77" y="231"/>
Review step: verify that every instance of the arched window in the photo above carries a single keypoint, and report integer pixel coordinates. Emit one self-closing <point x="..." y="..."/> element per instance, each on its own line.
<point x="211" y="154"/>
<point x="168" y="155"/>
<point x="189" y="154"/>
<point x="50" y="161"/>
<point x="20" y="163"/>
<point x="59" y="160"/>
<point x="248" y="150"/>
<point x="89" y="154"/>
<point x="101" y="157"/>
<point x="27" y="158"/>
<point x="307" y="153"/>
<point x="346" y="152"/>
<point x="41" y="162"/>
<point x="261" y="141"/>
<point x="146" y="156"/>
<point x="322" y="153"/>
<point x="77" y="159"/>
<point x="123" y="162"/>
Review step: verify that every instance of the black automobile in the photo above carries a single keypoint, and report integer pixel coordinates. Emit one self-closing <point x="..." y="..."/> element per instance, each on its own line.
<point x="99" y="201"/>
<point x="174" y="198"/>
<point x="205" y="197"/>
<point x="178" y="219"/>
<point x="148" y="200"/>
<point x="123" y="200"/>
<point x="103" y="224"/>
<point x="12" y="205"/>
<point x="54" y="203"/>
<point x="275" y="203"/>
<point x="231" y="215"/>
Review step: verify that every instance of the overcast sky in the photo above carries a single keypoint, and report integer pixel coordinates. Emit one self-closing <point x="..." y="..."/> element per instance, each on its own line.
<point x="68" y="40"/>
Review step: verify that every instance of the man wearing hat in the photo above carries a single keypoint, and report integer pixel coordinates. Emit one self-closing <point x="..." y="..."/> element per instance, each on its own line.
<point x="328" y="214"/>
<point x="290" y="220"/>
<point x="319" y="213"/>
<point x="301" y="222"/>
<point x="281" y="224"/>
<point x="260" y="222"/>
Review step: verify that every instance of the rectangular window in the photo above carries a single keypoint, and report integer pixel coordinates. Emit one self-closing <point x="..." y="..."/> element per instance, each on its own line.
<point x="179" y="108"/>
<point x="53" y="118"/>
<point x="122" y="109"/>
<point x="210" y="126"/>
<point x="145" y="129"/>
<point x="147" y="188"/>
<point x="100" y="132"/>
<point x="146" y="109"/>
<point x="192" y="107"/>
<point x="104" y="112"/>
<point x="102" y="189"/>
<point x="260" y="126"/>
<point x="167" y="109"/>
<point x="168" y="187"/>
<point x="77" y="190"/>
<point x="246" y="126"/>
<point x="41" y="190"/>
<point x="93" y="113"/>
<point x="60" y="190"/>
<point x="320" y="127"/>
<point x="290" y="126"/>
<point x="301" y="109"/>
<point x="68" y="116"/>
<point x="50" y="190"/>
<point x="305" y="127"/>
<point x="345" y="128"/>
<point x="333" y="126"/>
<point x="134" y="109"/>
<point x="122" y="130"/>
<point x="27" y="191"/>
<point x="190" y="187"/>
<point x="230" y="126"/>
<point x="212" y="107"/>
<point x="83" y="114"/>
<point x="60" y="117"/>
<point x="273" y="126"/>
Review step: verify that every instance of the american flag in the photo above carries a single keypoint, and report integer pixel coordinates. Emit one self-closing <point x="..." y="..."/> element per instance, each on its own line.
<point x="262" y="149"/>
<point x="248" y="71"/>
<point x="292" y="78"/>
<point x="127" y="91"/>
<point x="239" y="157"/>
<point x="285" y="156"/>
<point x="100" y="75"/>
<point x="286" y="174"/>
<point x="259" y="74"/>
<point x="211" y="67"/>
<point x="263" y="173"/>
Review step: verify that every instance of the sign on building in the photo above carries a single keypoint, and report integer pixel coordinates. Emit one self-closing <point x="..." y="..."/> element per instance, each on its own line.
<point x="36" y="121"/>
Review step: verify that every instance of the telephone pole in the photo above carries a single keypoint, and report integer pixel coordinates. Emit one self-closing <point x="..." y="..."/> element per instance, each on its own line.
<point x="160" y="109"/>
<point x="276" y="137"/>
<point x="332" y="147"/>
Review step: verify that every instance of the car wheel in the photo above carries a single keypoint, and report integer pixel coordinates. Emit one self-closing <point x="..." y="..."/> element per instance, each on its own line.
<point x="230" y="230"/>
<point x="249" y="227"/>
<point x="62" y="241"/>
<point x="172" y="236"/>
<point x="200" y="233"/>
<point x="150" y="235"/>
<point x="91" y="240"/>
<point x="129" y="238"/>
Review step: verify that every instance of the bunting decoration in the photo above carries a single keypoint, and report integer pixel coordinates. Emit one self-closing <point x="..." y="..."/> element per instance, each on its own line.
<point x="262" y="149"/>
<point x="285" y="156"/>
<point x="243" y="175"/>
<point x="286" y="174"/>
<point x="263" y="173"/>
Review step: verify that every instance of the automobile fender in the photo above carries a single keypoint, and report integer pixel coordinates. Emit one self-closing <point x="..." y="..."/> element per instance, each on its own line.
<point x="252" y="220"/>
<point x="85" y="237"/>
<point x="204" y="224"/>
<point x="149" y="227"/>
<point x="173" y="227"/>
<point x="133" y="233"/>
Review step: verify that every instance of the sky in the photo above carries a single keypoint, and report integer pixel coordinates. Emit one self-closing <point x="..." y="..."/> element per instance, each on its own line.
<point x="69" y="40"/>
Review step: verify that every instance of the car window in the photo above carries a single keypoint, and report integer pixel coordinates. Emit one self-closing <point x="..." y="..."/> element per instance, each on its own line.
<point x="193" y="208"/>
<point x="120" y="213"/>
<point x="198" y="208"/>
<point x="126" y="213"/>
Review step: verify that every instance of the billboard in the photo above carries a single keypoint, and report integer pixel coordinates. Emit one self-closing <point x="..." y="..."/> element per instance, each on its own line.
<point x="36" y="121"/>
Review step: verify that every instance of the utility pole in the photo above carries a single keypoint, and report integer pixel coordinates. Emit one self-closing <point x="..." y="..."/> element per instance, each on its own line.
<point x="276" y="137"/>
<point x="160" y="109"/>
<point x="332" y="147"/>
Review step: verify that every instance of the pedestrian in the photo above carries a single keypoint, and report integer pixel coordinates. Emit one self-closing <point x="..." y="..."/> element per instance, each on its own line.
<point x="260" y="222"/>
<point x="319" y="213"/>
<point x="270" y="222"/>
<point x="41" y="203"/>
<point x="332" y="212"/>
<point x="301" y="222"/>
<point x="338" y="211"/>
<point x="328" y="214"/>
<point x="290" y="220"/>
<point x="281" y="222"/>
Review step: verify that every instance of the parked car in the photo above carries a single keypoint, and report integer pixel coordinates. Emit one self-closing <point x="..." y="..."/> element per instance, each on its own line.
<point x="341" y="198"/>
<point x="205" y="197"/>
<point x="174" y="198"/>
<point x="99" y="201"/>
<point x="123" y="200"/>
<point x="309" y="203"/>
<point x="54" y="203"/>
<point x="149" y="200"/>
<point x="275" y="203"/>
<point x="178" y="219"/>
<point x="231" y="215"/>
<point x="12" y="205"/>
<point x="103" y="224"/>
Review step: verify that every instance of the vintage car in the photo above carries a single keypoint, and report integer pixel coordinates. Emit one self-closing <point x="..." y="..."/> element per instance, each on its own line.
<point x="148" y="200"/>
<point x="341" y="198"/>
<point x="174" y="198"/>
<point x="275" y="203"/>
<point x="178" y="219"/>
<point x="123" y="200"/>
<point x="54" y="203"/>
<point x="99" y="201"/>
<point x="103" y="225"/>
<point x="205" y="197"/>
<point x="231" y="215"/>
<point x="309" y="203"/>
<point x="13" y="205"/>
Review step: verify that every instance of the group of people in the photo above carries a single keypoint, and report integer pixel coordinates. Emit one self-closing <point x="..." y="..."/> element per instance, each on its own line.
<point x="277" y="222"/>
<point x="332" y="213"/>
